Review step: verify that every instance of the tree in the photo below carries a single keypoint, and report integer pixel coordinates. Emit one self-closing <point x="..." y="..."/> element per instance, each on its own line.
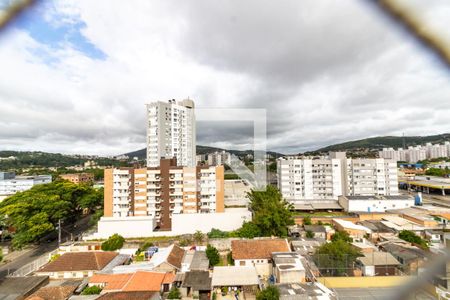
<point x="411" y="237"/>
<point x="336" y="258"/>
<point x="217" y="234"/>
<point x="113" y="243"/>
<point x="271" y="213"/>
<point x="213" y="255"/>
<point x="310" y="234"/>
<point x="91" y="290"/>
<point x="249" y="230"/>
<point x="34" y="213"/>
<point x="341" y="235"/>
<point x="269" y="293"/>
<point x="198" y="237"/>
<point x="307" y="220"/>
<point x="174" y="293"/>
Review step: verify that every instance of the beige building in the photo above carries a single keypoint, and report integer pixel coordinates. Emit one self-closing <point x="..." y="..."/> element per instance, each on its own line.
<point x="78" y="178"/>
<point x="162" y="191"/>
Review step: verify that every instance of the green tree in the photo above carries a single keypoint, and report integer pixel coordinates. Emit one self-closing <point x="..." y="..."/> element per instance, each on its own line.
<point x="1" y="254"/>
<point x="199" y="237"/>
<point x="336" y="258"/>
<point x="310" y="234"/>
<point x="91" y="290"/>
<point x="411" y="237"/>
<point x="174" y="293"/>
<point x="213" y="255"/>
<point x="341" y="235"/>
<point x="271" y="292"/>
<point x="113" y="243"/>
<point x="307" y="220"/>
<point x="249" y="230"/>
<point x="217" y="234"/>
<point x="271" y="213"/>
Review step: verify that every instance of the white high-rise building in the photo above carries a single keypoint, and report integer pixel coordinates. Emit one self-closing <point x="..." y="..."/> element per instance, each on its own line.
<point x="171" y="132"/>
<point x="417" y="153"/>
<point x="327" y="178"/>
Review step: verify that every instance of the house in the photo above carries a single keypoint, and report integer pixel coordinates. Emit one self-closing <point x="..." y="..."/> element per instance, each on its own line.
<point x="319" y="231"/>
<point x="354" y="230"/>
<point x="168" y="259"/>
<point x="77" y="264"/>
<point x="296" y="291"/>
<point x="378" y="264"/>
<point x="194" y="261"/>
<point x="235" y="279"/>
<point x="364" y="247"/>
<point x="130" y="296"/>
<point x="257" y="253"/>
<point x="132" y="282"/>
<point x="288" y="267"/>
<point x="306" y="246"/>
<point x="21" y="287"/>
<point x="53" y="293"/>
<point x="196" y="284"/>
<point x="411" y="258"/>
<point x="377" y="227"/>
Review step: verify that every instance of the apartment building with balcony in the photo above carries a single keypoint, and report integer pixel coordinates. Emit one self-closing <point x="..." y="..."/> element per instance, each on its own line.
<point x="160" y="192"/>
<point x="417" y="153"/>
<point x="303" y="179"/>
<point x="171" y="132"/>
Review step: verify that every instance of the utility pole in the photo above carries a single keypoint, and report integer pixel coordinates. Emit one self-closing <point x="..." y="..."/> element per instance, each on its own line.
<point x="59" y="232"/>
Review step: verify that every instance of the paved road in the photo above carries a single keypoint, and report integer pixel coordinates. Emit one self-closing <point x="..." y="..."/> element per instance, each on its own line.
<point x="81" y="226"/>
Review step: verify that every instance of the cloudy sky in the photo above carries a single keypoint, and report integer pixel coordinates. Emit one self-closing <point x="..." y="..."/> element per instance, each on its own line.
<point x="75" y="75"/>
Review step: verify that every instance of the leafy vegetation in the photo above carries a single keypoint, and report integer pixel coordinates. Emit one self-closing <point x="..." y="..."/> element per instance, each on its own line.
<point x="336" y="258"/>
<point x="217" y="234"/>
<point x="174" y="293"/>
<point x="310" y="234"/>
<point x="307" y="220"/>
<point x="341" y="235"/>
<point x="248" y="230"/>
<point x="438" y="172"/>
<point x="271" y="292"/>
<point x="411" y="237"/>
<point x="213" y="255"/>
<point x="199" y="237"/>
<point x="91" y="290"/>
<point x="271" y="213"/>
<point x="113" y="243"/>
<point x="231" y="176"/>
<point x="34" y="213"/>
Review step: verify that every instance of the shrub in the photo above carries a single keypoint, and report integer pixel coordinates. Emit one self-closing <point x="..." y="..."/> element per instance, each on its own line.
<point x="174" y="293"/>
<point x="269" y="293"/>
<point x="310" y="234"/>
<point x="91" y="290"/>
<point x="113" y="243"/>
<point x="213" y="255"/>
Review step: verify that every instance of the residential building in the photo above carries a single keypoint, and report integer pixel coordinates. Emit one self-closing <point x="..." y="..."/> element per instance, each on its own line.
<point x="11" y="184"/>
<point x="219" y="158"/>
<point x="168" y="259"/>
<point x="133" y="282"/>
<point x="257" y="253"/>
<point x="244" y="278"/>
<point x="307" y="246"/>
<point x="417" y="153"/>
<point x="354" y="230"/>
<point x="78" y="178"/>
<point x="171" y="132"/>
<point x="21" y="287"/>
<point x="194" y="260"/>
<point x="378" y="263"/>
<point x="77" y="264"/>
<point x="412" y="259"/>
<point x="310" y="290"/>
<point x="196" y="284"/>
<point x="288" y="267"/>
<point x="303" y="180"/>
<point x="53" y="292"/>
<point x="375" y="203"/>
<point x="161" y="192"/>
<point x="139" y="295"/>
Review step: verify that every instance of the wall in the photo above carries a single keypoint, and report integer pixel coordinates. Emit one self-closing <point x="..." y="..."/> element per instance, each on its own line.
<point x="181" y="224"/>
<point x="364" y="282"/>
<point x="378" y="205"/>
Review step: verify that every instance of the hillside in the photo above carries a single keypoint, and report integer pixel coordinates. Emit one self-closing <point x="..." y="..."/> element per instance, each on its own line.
<point x="141" y="154"/>
<point x="379" y="142"/>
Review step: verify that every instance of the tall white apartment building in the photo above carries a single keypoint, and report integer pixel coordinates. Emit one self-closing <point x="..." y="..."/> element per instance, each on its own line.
<point x="417" y="153"/>
<point x="11" y="184"/>
<point x="327" y="178"/>
<point x="171" y="132"/>
<point x="219" y="158"/>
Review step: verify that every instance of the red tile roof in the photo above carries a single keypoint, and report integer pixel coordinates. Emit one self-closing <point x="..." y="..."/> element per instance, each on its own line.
<point x="53" y="293"/>
<point x="129" y="296"/>
<point x="80" y="261"/>
<point x="258" y="249"/>
<point x="176" y="256"/>
<point x="139" y="281"/>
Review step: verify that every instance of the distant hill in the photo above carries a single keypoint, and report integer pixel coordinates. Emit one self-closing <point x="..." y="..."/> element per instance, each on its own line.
<point x="379" y="142"/>
<point x="142" y="153"/>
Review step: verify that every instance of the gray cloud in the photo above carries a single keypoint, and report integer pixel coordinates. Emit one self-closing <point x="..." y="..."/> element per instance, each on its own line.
<point x="325" y="71"/>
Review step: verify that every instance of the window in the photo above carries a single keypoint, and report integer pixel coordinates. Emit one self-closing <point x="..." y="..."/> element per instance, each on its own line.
<point x="242" y="263"/>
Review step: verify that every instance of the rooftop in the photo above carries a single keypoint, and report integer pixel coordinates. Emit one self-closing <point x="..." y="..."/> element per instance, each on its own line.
<point x="378" y="258"/>
<point x="14" y="287"/>
<point x="197" y="280"/>
<point x="53" y="293"/>
<point x="130" y="296"/>
<point x="350" y="225"/>
<point x="288" y="261"/>
<point x="298" y="291"/>
<point x="172" y="255"/>
<point x="80" y="261"/>
<point x="138" y="281"/>
<point x="234" y="276"/>
<point x="258" y="249"/>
